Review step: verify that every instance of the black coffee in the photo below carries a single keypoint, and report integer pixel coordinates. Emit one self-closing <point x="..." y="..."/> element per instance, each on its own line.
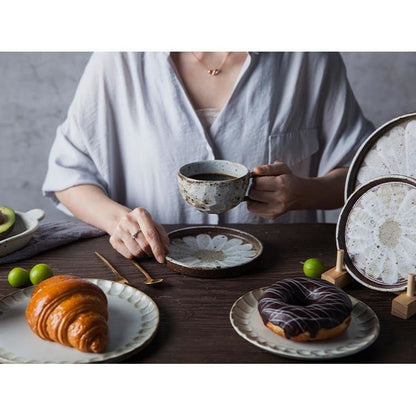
<point x="212" y="177"/>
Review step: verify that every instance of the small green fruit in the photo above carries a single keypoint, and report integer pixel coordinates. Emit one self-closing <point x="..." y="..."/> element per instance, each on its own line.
<point x="313" y="267"/>
<point x="18" y="277"/>
<point x="40" y="272"/>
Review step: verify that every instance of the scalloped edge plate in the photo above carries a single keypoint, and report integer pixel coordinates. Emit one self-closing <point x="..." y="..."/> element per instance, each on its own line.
<point x="362" y="332"/>
<point x="133" y="322"/>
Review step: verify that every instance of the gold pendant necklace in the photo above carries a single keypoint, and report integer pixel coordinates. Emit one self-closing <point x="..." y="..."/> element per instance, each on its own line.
<point x="215" y="71"/>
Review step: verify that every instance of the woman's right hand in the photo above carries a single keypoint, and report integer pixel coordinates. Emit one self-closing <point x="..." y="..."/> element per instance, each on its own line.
<point x="137" y="235"/>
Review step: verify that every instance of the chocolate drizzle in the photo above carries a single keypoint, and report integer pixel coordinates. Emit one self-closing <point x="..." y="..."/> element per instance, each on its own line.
<point x="299" y="305"/>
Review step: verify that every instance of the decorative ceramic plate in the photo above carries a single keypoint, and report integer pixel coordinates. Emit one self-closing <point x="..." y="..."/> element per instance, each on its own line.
<point x="389" y="150"/>
<point x="361" y="333"/>
<point x="211" y="251"/>
<point x="26" y="224"/>
<point x="133" y="321"/>
<point x="377" y="231"/>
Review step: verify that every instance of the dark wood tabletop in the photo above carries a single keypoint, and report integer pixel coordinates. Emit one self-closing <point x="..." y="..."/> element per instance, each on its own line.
<point x="194" y="312"/>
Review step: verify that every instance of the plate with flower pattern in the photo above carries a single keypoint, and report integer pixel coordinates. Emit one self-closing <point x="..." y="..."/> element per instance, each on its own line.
<point x="389" y="150"/>
<point x="377" y="231"/>
<point x="212" y="251"/>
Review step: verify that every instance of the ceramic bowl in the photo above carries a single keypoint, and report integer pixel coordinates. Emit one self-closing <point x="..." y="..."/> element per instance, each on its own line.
<point x="26" y="224"/>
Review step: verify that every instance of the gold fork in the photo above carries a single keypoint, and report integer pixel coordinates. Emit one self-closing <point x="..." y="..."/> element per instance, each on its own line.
<point x="119" y="277"/>
<point x="149" y="280"/>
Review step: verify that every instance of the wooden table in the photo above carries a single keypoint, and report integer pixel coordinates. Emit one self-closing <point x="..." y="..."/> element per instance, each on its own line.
<point x="194" y="312"/>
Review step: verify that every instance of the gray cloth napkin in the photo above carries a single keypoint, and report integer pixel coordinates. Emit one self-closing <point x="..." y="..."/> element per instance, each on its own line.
<point x="50" y="235"/>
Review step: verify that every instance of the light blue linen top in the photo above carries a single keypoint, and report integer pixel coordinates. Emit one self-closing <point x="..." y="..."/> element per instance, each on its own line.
<point x="131" y="125"/>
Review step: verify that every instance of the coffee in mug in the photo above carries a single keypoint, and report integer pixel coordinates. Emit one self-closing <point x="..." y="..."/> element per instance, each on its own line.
<point x="213" y="186"/>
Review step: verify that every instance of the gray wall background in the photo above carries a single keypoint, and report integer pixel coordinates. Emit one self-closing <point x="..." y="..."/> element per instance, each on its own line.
<point x="36" y="89"/>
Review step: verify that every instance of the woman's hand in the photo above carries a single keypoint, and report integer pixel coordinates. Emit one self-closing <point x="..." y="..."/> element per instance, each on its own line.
<point x="137" y="235"/>
<point x="276" y="190"/>
<point x="118" y="221"/>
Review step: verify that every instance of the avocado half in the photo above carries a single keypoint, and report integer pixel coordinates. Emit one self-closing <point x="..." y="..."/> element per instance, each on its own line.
<point x="7" y="220"/>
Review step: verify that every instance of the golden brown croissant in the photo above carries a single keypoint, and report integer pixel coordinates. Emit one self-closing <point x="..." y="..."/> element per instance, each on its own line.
<point x="69" y="310"/>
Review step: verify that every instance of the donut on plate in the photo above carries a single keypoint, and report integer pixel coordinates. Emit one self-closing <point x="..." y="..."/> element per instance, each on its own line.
<point x="305" y="309"/>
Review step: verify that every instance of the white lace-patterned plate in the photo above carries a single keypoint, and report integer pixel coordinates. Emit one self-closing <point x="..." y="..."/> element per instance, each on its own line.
<point x="389" y="150"/>
<point x="211" y="251"/>
<point x="377" y="231"/>
<point x="133" y="321"/>
<point x="362" y="332"/>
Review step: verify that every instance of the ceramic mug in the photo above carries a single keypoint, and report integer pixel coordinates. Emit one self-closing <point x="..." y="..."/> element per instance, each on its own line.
<point x="213" y="186"/>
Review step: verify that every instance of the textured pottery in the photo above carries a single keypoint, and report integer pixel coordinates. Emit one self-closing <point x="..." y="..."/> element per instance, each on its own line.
<point x="26" y="224"/>
<point x="377" y="231"/>
<point x="389" y="150"/>
<point x="212" y="251"/>
<point x="213" y="197"/>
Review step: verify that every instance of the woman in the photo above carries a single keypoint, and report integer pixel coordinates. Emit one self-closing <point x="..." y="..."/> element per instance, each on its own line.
<point x="137" y="117"/>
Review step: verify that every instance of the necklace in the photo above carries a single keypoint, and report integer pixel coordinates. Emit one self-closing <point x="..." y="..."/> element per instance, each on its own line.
<point x="214" y="72"/>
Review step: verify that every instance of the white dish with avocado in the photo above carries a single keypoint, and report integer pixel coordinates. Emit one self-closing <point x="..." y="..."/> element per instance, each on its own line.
<point x="20" y="233"/>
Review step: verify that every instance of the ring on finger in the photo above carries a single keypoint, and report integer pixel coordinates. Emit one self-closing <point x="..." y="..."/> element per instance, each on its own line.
<point x="136" y="234"/>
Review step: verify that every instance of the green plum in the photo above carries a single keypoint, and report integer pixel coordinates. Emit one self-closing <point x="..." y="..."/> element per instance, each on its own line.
<point x="39" y="273"/>
<point x="18" y="277"/>
<point x="313" y="267"/>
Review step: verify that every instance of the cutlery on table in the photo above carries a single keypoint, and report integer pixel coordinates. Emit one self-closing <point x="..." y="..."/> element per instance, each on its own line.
<point x="119" y="277"/>
<point x="149" y="280"/>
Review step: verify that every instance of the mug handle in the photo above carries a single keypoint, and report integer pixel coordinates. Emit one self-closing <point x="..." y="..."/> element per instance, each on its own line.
<point x="251" y="175"/>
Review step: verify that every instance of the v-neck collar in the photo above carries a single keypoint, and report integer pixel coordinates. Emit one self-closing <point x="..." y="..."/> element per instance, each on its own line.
<point x="213" y="129"/>
<point x="208" y="133"/>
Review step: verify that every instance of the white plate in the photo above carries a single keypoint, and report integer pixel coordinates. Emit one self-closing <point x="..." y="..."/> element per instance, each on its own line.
<point x="133" y="321"/>
<point x="26" y="224"/>
<point x="377" y="231"/>
<point x="362" y="332"/>
<point x="389" y="150"/>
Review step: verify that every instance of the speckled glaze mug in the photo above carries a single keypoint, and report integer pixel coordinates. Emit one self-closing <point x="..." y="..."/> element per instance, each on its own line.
<point x="213" y="186"/>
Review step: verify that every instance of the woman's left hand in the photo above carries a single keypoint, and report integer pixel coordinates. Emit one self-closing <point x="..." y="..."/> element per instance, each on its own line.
<point x="275" y="190"/>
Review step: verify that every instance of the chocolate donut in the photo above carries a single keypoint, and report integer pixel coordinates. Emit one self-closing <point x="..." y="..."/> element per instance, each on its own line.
<point x="305" y="309"/>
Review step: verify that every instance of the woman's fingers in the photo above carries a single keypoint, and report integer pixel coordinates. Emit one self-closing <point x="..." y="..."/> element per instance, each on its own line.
<point x="129" y="252"/>
<point x="164" y="237"/>
<point x="259" y="208"/>
<point x="262" y="196"/>
<point x="267" y="183"/>
<point x="150" y="233"/>
<point x="137" y="235"/>
<point x="128" y="230"/>
<point x="144" y="244"/>
<point x="276" y="168"/>
<point x="265" y="210"/>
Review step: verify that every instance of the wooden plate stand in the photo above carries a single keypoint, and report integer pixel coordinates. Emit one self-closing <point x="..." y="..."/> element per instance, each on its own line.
<point x="338" y="275"/>
<point x="404" y="305"/>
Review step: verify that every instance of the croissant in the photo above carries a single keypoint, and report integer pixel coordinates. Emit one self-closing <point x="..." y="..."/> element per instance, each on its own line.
<point x="71" y="311"/>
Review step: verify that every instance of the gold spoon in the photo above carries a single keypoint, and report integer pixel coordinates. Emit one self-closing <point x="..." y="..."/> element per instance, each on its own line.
<point x="149" y="280"/>
<point x="118" y="276"/>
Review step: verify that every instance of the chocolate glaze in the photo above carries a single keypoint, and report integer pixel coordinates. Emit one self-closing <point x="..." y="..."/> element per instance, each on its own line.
<point x="298" y="305"/>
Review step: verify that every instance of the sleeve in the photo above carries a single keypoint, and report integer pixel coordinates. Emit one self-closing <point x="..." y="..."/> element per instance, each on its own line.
<point x="78" y="154"/>
<point x="343" y="125"/>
